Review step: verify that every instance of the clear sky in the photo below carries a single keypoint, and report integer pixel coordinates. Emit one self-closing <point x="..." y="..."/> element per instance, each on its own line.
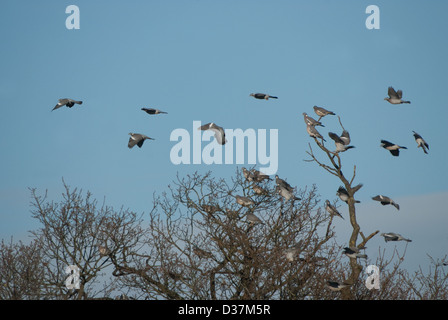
<point x="199" y="61"/>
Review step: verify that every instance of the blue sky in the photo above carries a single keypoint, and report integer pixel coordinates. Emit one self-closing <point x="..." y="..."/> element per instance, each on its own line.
<point x="199" y="61"/>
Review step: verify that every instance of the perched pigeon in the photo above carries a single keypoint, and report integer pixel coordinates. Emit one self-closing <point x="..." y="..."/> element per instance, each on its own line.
<point x="393" y="148"/>
<point x="342" y="141"/>
<point x="292" y="253"/>
<point x="137" y="139"/>
<point x="153" y="111"/>
<point x="259" y="176"/>
<point x="390" y="236"/>
<point x="253" y="219"/>
<point x="343" y="194"/>
<point x="310" y="121"/>
<point x="321" y="112"/>
<point x="247" y="174"/>
<point x="286" y="193"/>
<point x="386" y="200"/>
<point x="353" y="252"/>
<point x="262" y="96"/>
<point x="395" y="96"/>
<point x="244" y="201"/>
<point x="337" y="286"/>
<point x="66" y="102"/>
<point x="220" y="135"/>
<point x="421" y="142"/>
<point x="210" y="208"/>
<point x="332" y="210"/>
<point x="312" y="131"/>
<point x="283" y="184"/>
<point x="259" y="190"/>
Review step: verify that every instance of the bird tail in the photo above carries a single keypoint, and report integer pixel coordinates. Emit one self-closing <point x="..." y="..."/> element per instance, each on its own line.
<point x="407" y="102"/>
<point x="396" y="206"/>
<point x="78" y="102"/>
<point x="272" y="97"/>
<point x="362" y="256"/>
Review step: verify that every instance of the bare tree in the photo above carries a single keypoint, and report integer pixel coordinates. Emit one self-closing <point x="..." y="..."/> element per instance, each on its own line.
<point x="334" y="167"/>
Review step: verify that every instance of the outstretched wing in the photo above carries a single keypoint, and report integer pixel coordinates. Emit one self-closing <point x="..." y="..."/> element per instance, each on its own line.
<point x="392" y="93"/>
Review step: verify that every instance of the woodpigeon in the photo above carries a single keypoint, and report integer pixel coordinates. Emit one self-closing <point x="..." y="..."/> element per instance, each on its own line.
<point x="392" y="147"/>
<point x="287" y="193"/>
<point x="421" y="142"/>
<point x="386" y="200"/>
<point x="259" y="190"/>
<point x="310" y="121"/>
<point x="259" y="176"/>
<point x="262" y="96"/>
<point x="312" y="131"/>
<point x="283" y="184"/>
<point x="341" y="142"/>
<point x="253" y="219"/>
<point x="343" y="194"/>
<point x="247" y="174"/>
<point x="395" y="96"/>
<point x="322" y="112"/>
<point x="153" y="111"/>
<point x="137" y="139"/>
<point x="390" y="236"/>
<point x="353" y="252"/>
<point x="244" y="201"/>
<point x="220" y="135"/>
<point x="66" y="102"/>
<point x="332" y="209"/>
<point x="337" y="286"/>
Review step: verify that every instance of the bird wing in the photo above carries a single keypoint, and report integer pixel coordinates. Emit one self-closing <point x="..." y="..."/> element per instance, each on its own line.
<point x="335" y="137"/>
<point x="345" y="136"/>
<point x="399" y="94"/>
<point x="149" y="110"/>
<point x="392" y="94"/>
<point x="387" y="143"/>
<point x="132" y="141"/>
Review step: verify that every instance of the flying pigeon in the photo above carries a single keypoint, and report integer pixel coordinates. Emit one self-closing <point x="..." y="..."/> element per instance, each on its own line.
<point x="342" y="141"/>
<point x="337" y="286"/>
<point x="137" y="139"/>
<point x="393" y="148"/>
<point x="332" y="210"/>
<point x="262" y="96"/>
<point x="321" y="112"/>
<point x="390" y="236"/>
<point x="386" y="200"/>
<point x="395" y="96"/>
<point x="353" y="252"/>
<point x="310" y="121"/>
<point x="343" y="194"/>
<point x="421" y="142"/>
<point x="153" y="111"/>
<point x="220" y="135"/>
<point x="312" y="131"/>
<point x="244" y="201"/>
<point x="253" y="219"/>
<point x="66" y="102"/>
<point x="259" y="176"/>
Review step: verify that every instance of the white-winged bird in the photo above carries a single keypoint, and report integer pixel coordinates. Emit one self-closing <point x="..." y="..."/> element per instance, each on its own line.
<point x="262" y="96"/>
<point x="137" y="139"/>
<point x="337" y="286"/>
<point x="421" y="142"/>
<point x="392" y="147"/>
<point x="153" y="111"/>
<point x="66" y="102"/>
<point x="384" y="200"/>
<point x="220" y="135"/>
<point x="353" y="252"/>
<point x="391" y="236"/>
<point x="395" y="96"/>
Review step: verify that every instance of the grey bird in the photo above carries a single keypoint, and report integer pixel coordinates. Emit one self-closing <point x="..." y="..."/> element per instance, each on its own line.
<point x="341" y="142"/>
<point x="337" y="286"/>
<point x="153" y="111"/>
<point x="384" y="200"/>
<point x="332" y="209"/>
<point x="66" y="102"/>
<point x="395" y="96"/>
<point x="259" y="176"/>
<point x="262" y="96"/>
<point x="310" y="121"/>
<point x="244" y="201"/>
<point x="292" y="253"/>
<point x="247" y="174"/>
<point x="259" y="190"/>
<point x="391" y="236"/>
<point x="322" y="112"/>
<point x="283" y="184"/>
<point x="253" y="219"/>
<point x="392" y="147"/>
<point x="421" y="142"/>
<point x="353" y="252"/>
<point x="137" y="139"/>
<point x="219" y="133"/>
<point x="343" y="194"/>
<point x="286" y="193"/>
<point x="312" y="131"/>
